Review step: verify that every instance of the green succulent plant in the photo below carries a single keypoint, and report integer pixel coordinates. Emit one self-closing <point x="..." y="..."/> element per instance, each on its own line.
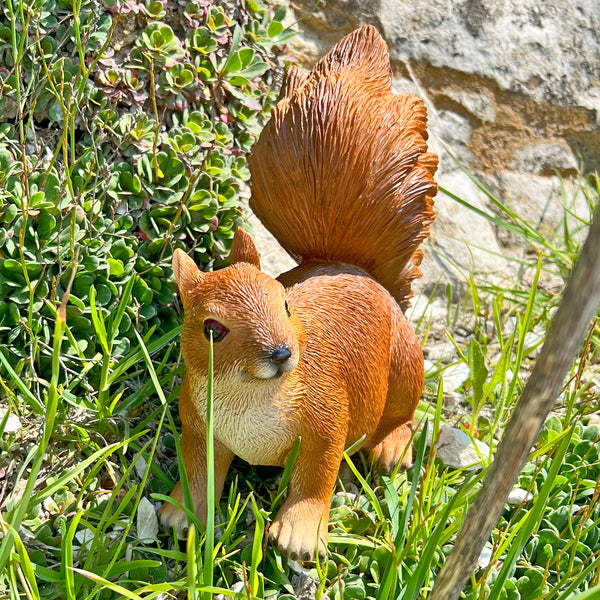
<point x="114" y="151"/>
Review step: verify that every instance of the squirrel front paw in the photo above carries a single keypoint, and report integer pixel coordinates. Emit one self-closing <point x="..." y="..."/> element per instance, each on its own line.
<point x="171" y="516"/>
<point x="300" y="530"/>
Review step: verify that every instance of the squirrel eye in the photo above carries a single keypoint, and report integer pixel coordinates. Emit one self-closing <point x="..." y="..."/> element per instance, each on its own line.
<point x="218" y="330"/>
<point x="287" y="309"/>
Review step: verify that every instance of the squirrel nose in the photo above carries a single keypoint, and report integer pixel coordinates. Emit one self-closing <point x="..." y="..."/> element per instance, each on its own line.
<point x="280" y="354"/>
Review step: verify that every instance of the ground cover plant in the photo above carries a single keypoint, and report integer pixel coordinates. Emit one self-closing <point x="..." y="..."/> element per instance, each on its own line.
<point x="123" y="130"/>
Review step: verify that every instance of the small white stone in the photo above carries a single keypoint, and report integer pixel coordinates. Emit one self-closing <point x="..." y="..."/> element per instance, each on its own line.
<point x="457" y="451"/>
<point x="297" y="567"/>
<point x="236" y="588"/>
<point x="594" y="419"/>
<point x="13" y="423"/>
<point x="519" y="496"/>
<point x="533" y="342"/>
<point x="427" y="308"/>
<point x="305" y="586"/>
<point x="147" y="521"/>
<point x="140" y="466"/>
<point x="84" y="536"/>
<point x="349" y="496"/>
<point x="455" y="375"/>
<point x="484" y="558"/>
<point x="443" y="352"/>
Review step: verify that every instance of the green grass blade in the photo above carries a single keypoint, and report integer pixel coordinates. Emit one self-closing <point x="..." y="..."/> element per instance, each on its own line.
<point x="36" y="405"/>
<point x="192" y="562"/>
<point x="67" y="555"/>
<point x="43" y="574"/>
<point x="123" y="304"/>
<point x="532" y="520"/>
<point x="416" y="474"/>
<point x="567" y="594"/>
<point x="24" y="561"/>
<point x="210" y="476"/>
<point x="369" y="491"/>
<point x="144" y="352"/>
<point x="592" y="594"/>
<point x="257" y="544"/>
<point x="478" y="373"/>
<point x="109" y="585"/>
<point x="98" y="321"/>
<point x="95" y="458"/>
<point x="182" y="472"/>
<point x="16" y="516"/>
<point x="499" y="222"/>
<point x="389" y="580"/>
<point x="423" y="571"/>
<point x="524" y="325"/>
<point x="138" y="498"/>
<point x="124" y="567"/>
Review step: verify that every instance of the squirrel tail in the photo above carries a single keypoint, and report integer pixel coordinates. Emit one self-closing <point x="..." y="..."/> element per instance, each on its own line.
<point x="341" y="171"/>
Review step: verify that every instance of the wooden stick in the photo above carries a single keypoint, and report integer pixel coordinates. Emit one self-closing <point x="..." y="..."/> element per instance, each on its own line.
<point x="566" y="334"/>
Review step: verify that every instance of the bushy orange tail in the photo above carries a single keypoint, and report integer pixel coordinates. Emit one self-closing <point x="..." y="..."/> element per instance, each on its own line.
<point x="341" y="172"/>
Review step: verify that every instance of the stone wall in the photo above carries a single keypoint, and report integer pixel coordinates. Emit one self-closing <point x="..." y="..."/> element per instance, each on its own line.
<point x="513" y="93"/>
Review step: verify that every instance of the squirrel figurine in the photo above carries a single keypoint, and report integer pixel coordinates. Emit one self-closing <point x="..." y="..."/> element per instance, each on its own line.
<point x="342" y="177"/>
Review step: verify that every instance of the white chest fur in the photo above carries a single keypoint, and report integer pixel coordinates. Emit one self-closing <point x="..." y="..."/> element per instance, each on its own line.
<point x="250" y="422"/>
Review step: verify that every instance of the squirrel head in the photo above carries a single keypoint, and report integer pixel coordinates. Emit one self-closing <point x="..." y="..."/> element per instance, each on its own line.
<point x="255" y="333"/>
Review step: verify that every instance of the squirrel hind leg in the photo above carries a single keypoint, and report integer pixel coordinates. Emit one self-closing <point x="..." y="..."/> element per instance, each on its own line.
<point x="391" y="442"/>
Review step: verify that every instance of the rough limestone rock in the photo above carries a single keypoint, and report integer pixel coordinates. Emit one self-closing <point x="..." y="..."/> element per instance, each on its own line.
<point x="513" y="93"/>
<point x="274" y="260"/>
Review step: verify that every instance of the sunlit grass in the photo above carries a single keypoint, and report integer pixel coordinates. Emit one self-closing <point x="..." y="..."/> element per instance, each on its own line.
<point x="74" y="480"/>
<point x="72" y="532"/>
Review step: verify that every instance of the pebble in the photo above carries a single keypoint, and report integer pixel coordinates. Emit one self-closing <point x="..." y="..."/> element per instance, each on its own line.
<point x="13" y="423"/>
<point x="519" y="496"/>
<point x="484" y="558"/>
<point x="147" y="521"/>
<point x="454" y="376"/>
<point x="440" y="352"/>
<point x="140" y="466"/>
<point x="237" y="588"/>
<point x="84" y="536"/>
<point x="458" y="451"/>
<point x="305" y="586"/>
<point x="593" y="419"/>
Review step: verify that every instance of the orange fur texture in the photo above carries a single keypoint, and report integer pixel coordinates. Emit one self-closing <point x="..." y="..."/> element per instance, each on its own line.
<point x="342" y="177"/>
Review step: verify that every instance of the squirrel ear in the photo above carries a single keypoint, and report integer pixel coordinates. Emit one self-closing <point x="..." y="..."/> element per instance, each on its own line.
<point x="243" y="249"/>
<point x="187" y="274"/>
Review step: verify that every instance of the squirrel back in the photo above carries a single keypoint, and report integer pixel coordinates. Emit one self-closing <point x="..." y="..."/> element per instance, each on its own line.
<point x="341" y="172"/>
